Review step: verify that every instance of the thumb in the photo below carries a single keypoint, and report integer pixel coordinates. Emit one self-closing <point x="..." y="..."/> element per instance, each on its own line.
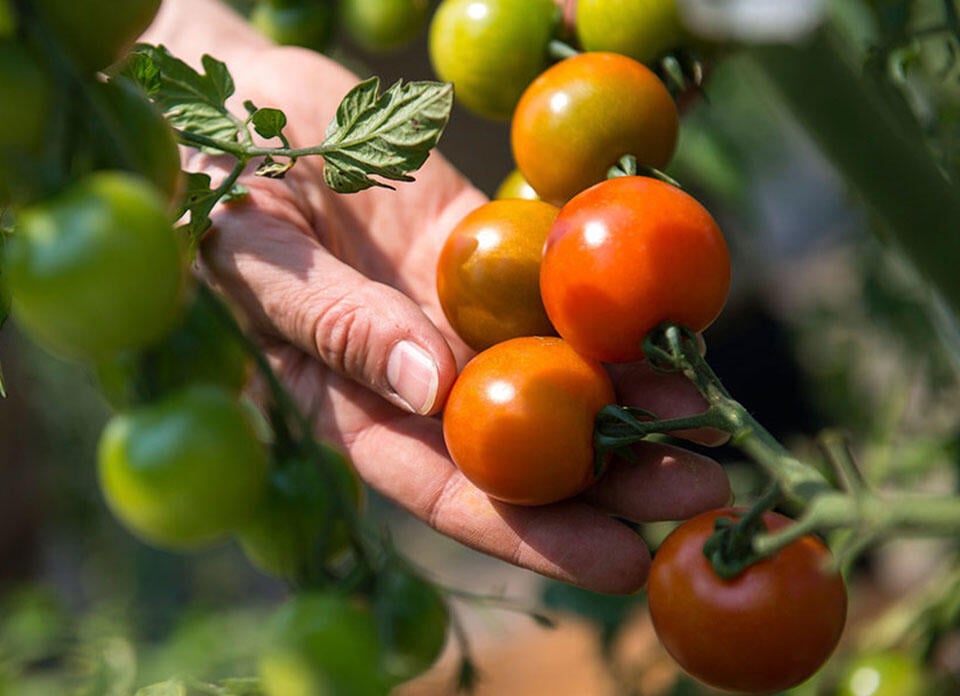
<point x="292" y="287"/>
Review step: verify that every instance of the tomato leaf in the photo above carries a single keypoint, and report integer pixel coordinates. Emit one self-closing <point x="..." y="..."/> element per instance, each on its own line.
<point x="173" y="687"/>
<point x="388" y="135"/>
<point x="191" y="101"/>
<point x="269" y="123"/>
<point x="273" y="169"/>
<point x="199" y="199"/>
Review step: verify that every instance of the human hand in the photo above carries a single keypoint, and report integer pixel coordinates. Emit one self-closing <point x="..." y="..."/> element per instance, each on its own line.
<point x="340" y="290"/>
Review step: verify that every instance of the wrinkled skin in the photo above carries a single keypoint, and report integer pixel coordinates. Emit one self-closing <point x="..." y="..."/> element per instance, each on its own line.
<point x="331" y="283"/>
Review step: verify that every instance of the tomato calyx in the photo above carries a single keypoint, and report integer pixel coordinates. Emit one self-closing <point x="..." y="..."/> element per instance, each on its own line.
<point x="629" y="166"/>
<point x="730" y="549"/>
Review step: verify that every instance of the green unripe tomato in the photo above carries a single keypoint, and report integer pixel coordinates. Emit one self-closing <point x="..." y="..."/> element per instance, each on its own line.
<point x="884" y="674"/>
<point x="384" y="25"/>
<point x="412" y="617"/>
<point x="491" y="49"/>
<point x="97" y="33"/>
<point x="7" y="22"/>
<point x="96" y="269"/>
<point x="298" y="525"/>
<point x="199" y="349"/>
<point x="515" y="186"/>
<point x="322" y="644"/>
<point x="306" y="23"/>
<point x="185" y="471"/>
<point x="641" y="29"/>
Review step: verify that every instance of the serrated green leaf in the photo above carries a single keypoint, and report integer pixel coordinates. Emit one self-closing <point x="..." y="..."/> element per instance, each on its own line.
<point x="191" y="101"/>
<point x="173" y="687"/>
<point x="387" y="136"/>
<point x="269" y="123"/>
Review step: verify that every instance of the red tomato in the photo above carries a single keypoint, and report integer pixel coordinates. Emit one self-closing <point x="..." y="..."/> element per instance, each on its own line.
<point x="767" y="629"/>
<point x="519" y="420"/>
<point x="579" y="117"/>
<point x="627" y="255"/>
<point x="488" y="273"/>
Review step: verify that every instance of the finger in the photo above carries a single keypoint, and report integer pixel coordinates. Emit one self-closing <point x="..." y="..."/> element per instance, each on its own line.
<point x="292" y="287"/>
<point x="664" y="483"/>
<point x="667" y="395"/>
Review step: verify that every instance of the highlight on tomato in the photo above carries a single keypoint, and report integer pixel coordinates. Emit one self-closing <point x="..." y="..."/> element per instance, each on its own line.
<point x="627" y="255"/>
<point x="488" y="272"/>
<point x="582" y="115"/>
<point x="515" y="186"/>
<point x="767" y="629"/>
<point x="518" y="422"/>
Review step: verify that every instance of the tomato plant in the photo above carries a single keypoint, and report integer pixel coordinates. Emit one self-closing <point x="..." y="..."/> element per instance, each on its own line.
<point x="384" y="25"/>
<point x="769" y="628"/>
<point x="306" y="23"/>
<point x="626" y="255"/>
<point x="491" y="49"/>
<point x="412" y="617"/>
<point x="184" y="471"/>
<point x="579" y="117"/>
<point x="519" y="420"/>
<point x="641" y="29"/>
<point x="489" y="269"/>
<point x="97" y="33"/>
<point x="515" y="186"/>
<point x="299" y="524"/>
<point x="96" y="269"/>
<point x="322" y="643"/>
<point x="888" y="673"/>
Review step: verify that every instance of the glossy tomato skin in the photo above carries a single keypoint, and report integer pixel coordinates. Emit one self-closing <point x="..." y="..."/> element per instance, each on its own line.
<point x="515" y="186"/>
<point x="887" y="673"/>
<point x="579" y="117"/>
<point x="488" y="272"/>
<point x="641" y="29"/>
<point x="767" y="629"/>
<point x="519" y="420"/>
<point x="184" y="471"/>
<point x="491" y="49"/>
<point x="626" y="255"/>
<point x="97" y="268"/>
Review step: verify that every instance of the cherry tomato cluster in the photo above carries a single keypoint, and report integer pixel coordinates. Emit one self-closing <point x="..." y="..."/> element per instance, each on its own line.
<point x="580" y="257"/>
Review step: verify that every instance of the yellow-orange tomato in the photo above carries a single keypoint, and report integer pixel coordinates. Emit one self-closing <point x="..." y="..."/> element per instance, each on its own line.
<point x="579" y="117"/>
<point x="515" y="186"/>
<point x="519" y="420"/>
<point x="488" y="273"/>
<point x="626" y="255"/>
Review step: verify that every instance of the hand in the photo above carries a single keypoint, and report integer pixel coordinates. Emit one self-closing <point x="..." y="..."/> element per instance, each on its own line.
<point x="341" y="291"/>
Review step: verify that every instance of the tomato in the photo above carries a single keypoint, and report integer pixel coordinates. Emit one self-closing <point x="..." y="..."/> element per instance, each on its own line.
<point x="489" y="269"/>
<point x="26" y="102"/>
<point x="767" y="629"/>
<point x="491" y="49"/>
<point x="132" y="135"/>
<point x="306" y="23"/>
<point x="184" y="471"/>
<point x="515" y="186"/>
<point x="641" y="29"/>
<point x="96" y="269"/>
<point x="297" y="526"/>
<point x="384" y="25"/>
<point x="412" y="617"/>
<point x="321" y="643"/>
<point x="97" y="33"/>
<point x="887" y="673"/>
<point x="579" y="117"/>
<point x="627" y="255"/>
<point x="519" y="420"/>
<point x="199" y="349"/>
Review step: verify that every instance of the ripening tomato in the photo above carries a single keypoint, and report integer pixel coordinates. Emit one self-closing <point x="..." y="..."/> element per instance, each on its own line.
<point x="887" y="673"/>
<point x="491" y="49"/>
<point x="519" y="420"/>
<point x="306" y="23"/>
<point x="641" y="29"/>
<point x="579" y="117"/>
<point x="488" y="273"/>
<point x="767" y="629"/>
<point x="515" y="186"/>
<point x="384" y="25"/>
<point x="184" y="471"/>
<point x="626" y="255"/>
<point x="96" y="269"/>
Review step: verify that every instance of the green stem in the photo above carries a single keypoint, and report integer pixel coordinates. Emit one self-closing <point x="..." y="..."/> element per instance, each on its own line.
<point x="559" y="50"/>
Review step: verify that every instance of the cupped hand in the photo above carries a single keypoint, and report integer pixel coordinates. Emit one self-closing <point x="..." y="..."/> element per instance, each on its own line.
<point x="341" y="291"/>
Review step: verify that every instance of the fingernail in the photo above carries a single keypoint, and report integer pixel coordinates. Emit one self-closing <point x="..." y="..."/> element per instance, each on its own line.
<point x="413" y="375"/>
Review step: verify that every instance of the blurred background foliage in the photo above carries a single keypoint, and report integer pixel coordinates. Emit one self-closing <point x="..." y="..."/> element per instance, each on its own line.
<point x="827" y="327"/>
